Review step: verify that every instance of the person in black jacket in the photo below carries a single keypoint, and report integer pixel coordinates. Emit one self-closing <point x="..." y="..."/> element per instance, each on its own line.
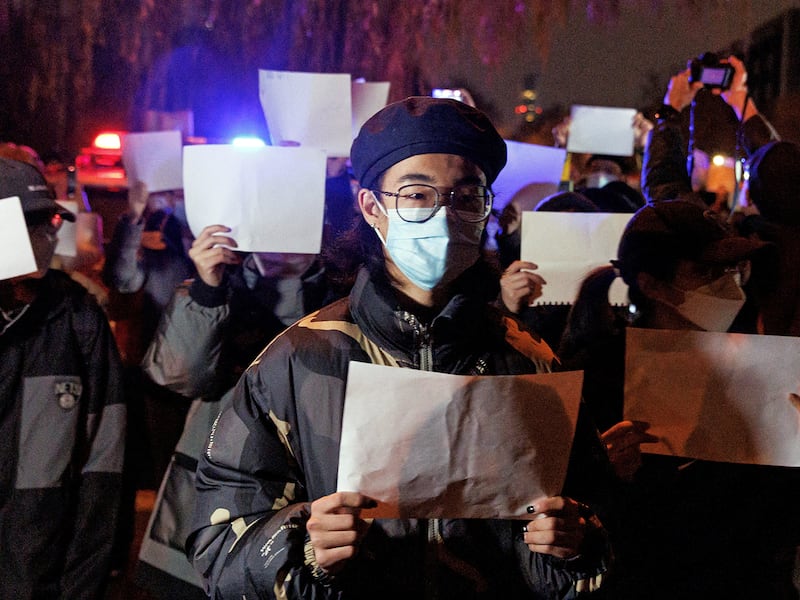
<point x="268" y="521"/>
<point x="62" y="418"/>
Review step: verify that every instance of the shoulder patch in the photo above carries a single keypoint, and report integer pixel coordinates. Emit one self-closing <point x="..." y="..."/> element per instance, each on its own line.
<point x="68" y="393"/>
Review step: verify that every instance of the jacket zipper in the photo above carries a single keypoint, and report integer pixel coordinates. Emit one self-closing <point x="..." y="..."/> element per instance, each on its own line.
<point x="424" y="347"/>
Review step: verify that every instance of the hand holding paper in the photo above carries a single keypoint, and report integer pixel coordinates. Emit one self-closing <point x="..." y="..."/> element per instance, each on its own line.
<point x="336" y="528"/>
<point x="567" y="246"/>
<point x="623" y="444"/>
<point x="211" y="251"/>
<point x="520" y="285"/>
<point x="734" y="399"/>
<point x="272" y="198"/>
<point x="557" y="529"/>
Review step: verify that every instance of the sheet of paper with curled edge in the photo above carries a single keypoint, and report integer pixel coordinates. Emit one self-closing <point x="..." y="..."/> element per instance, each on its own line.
<point x="567" y="246"/>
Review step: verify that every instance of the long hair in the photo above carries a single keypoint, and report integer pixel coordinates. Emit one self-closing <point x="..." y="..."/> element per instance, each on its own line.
<point x="591" y="316"/>
<point x="343" y="256"/>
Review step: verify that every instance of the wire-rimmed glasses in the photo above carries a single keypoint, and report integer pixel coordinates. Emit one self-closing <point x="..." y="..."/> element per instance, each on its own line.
<point x="418" y="202"/>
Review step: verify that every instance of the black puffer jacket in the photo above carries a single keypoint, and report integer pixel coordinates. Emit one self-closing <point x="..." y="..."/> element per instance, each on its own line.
<point x="275" y="448"/>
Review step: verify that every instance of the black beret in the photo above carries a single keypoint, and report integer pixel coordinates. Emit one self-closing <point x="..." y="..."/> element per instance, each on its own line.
<point x="25" y="181"/>
<point x="426" y="125"/>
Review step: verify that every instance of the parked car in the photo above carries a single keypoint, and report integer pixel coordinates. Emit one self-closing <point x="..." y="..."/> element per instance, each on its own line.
<point x="100" y="165"/>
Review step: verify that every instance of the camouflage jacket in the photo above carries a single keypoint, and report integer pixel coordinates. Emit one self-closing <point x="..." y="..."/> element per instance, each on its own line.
<point x="274" y="449"/>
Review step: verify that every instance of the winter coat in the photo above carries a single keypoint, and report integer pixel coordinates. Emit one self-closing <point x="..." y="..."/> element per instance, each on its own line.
<point x="62" y="441"/>
<point x="274" y="449"/>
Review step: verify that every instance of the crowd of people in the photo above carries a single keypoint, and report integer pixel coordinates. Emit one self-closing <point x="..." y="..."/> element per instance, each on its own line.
<point x="175" y="362"/>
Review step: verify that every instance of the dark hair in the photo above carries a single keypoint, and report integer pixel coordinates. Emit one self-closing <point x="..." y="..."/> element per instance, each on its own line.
<point x="566" y="202"/>
<point x="591" y="316"/>
<point x="355" y="247"/>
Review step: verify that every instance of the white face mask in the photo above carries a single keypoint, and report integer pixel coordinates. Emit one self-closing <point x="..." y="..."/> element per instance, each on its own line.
<point x="438" y="249"/>
<point x="714" y="306"/>
<point x="599" y="179"/>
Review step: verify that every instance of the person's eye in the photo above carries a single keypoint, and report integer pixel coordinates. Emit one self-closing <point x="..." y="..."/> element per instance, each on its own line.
<point x="415" y="196"/>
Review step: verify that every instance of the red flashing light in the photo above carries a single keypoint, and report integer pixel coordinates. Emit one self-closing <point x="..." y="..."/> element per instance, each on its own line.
<point x="108" y="141"/>
<point x="521" y="109"/>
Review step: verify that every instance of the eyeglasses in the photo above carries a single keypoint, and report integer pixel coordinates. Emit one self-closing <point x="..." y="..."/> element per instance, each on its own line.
<point x="416" y="203"/>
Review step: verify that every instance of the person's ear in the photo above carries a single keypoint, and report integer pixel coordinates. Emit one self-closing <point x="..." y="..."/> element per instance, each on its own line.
<point x="369" y="206"/>
<point x="655" y="289"/>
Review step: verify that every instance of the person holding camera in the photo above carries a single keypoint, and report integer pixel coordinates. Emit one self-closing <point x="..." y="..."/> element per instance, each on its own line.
<point x="665" y="174"/>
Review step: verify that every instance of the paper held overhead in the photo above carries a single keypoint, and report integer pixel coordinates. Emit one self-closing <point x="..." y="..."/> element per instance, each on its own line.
<point x="601" y="130"/>
<point x="528" y="163"/>
<point x="367" y="98"/>
<point x="317" y="110"/>
<point x="155" y="159"/>
<point x="272" y="198"/>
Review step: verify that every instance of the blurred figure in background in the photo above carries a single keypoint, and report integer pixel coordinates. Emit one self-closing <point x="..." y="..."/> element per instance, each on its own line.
<point x="212" y="330"/>
<point x="145" y="261"/>
<point x="665" y="174"/>
<point x="772" y="189"/>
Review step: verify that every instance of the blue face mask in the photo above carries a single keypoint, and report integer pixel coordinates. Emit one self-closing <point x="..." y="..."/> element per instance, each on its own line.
<point x="427" y="253"/>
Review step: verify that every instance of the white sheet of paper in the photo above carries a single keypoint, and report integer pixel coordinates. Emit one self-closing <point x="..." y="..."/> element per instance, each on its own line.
<point x="368" y="97"/>
<point x="428" y="445"/>
<point x="308" y="109"/>
<point x="601" y="130"/>
<point x="16" y="253"/>
<point x="716" y="396"/>
<point x="155" y="159"/>
<point x="272" y="198"/>
<point x="567" y="246"/>
<point x="527" y="163"/>
<point x="67" y="236"/>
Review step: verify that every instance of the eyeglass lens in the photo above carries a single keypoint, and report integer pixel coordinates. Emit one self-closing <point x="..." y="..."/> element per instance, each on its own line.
<point x="418" y="202"/>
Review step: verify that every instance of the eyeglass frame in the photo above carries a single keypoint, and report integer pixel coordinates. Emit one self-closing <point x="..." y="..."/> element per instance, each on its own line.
<point x="488" y="201"/>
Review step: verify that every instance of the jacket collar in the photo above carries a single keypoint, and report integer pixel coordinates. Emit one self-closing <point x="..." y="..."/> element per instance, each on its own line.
<point x="457" y="332"/>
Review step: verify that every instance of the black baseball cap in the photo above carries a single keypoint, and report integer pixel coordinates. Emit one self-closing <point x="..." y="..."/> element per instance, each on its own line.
<point x="679" y="229"/>
<point x="25" y="181"/>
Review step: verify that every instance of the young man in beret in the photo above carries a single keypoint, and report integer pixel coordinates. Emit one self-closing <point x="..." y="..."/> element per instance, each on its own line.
<point x="269" y="522"/>
<point x="62" y="418"/>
